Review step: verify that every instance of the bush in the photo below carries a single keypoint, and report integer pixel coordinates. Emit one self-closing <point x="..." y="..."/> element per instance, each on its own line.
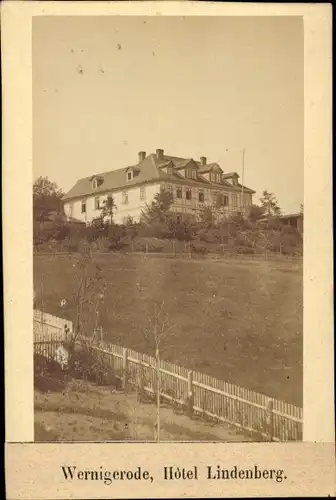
<point x="209" y="235"/>
<point x="150" y="244"/>
<point x="88" y="364"/>
<point x="199" y="248"/>
<point x="44" y="365"/>
<point x="100" y="245"/>
<point x="117" y="236"/>
<point x="48" y="374"/>
<point x="244" y="249"/>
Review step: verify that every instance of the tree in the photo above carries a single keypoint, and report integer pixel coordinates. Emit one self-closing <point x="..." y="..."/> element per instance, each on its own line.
<point x="89" y="295"/>
<point x="206" y="216"/>
<point x="99" y="225"/>
<point x="46" y="199"/>
<point x="155" y="333"/>
<point x="256" y="212"/>
<point x="269" y="204"/>
<point x="107" y="210"/>
<point x="159" y="209"/>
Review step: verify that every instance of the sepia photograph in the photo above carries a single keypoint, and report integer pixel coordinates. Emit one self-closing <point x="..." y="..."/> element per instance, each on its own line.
<point x="168" y="228"/>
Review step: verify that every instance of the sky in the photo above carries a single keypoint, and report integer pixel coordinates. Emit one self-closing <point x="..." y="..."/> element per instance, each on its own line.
<point x="105" y="88"/>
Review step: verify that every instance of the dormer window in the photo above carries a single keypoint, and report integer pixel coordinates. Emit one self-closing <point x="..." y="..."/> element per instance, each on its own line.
<point x="129" y="175"/>
<point x="194" y="174"/>
<point x="96" y="181"/>
<point x="170" y="170"/>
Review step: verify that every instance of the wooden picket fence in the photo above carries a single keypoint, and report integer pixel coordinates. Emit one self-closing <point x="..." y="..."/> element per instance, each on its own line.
<point x="263" y="417"/>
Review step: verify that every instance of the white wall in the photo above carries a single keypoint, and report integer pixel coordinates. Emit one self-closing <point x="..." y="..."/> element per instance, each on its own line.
<point x="133" y="208"/>
<point x="135" y="205"/>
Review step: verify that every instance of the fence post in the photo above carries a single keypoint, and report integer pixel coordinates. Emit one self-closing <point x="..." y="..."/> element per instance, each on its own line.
<point x="189" y="249"/>
<point x="125" y="368"/>
<point x="190" y="394"/>
<point x="146" y="247"/>
<point x="142" y="376"/>
<point x="174" y="250"/>
<point x="269" y="420"/>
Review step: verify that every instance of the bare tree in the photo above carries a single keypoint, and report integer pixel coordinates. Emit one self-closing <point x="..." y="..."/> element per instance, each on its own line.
<point x="155" y="334"/>
<point x="89" y="296"/>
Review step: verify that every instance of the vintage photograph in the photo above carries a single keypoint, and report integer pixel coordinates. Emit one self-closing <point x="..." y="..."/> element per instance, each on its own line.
<point x="168" y="228"/>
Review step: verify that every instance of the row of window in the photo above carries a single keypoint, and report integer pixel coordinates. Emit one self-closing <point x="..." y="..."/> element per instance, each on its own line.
<point x="220" y="199"/>
<point x="98" y="205"/>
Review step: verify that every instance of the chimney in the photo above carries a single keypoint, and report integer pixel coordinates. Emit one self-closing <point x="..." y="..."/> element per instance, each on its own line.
<point x="203" y="161"/>
<point x="159" y="154"/>
<point x="142" y="156"/>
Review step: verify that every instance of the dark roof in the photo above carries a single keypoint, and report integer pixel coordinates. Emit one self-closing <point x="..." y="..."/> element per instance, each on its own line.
<point x="149" y="170"/>
<point x="291" y="216"/>
<point x="228" y="175"/>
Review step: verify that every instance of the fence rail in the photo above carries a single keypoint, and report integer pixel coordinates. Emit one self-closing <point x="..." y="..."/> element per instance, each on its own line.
<point x="199" y="393"/>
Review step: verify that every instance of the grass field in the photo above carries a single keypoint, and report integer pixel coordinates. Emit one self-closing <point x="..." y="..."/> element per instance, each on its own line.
<point x="81" y="411"/>
<point x="237" y="321"/>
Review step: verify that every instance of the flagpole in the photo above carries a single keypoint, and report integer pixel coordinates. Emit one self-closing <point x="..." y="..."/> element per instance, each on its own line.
<point x="242" y="187"/>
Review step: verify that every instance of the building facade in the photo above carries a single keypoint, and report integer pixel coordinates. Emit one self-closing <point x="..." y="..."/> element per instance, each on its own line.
<point x="193" y="185"/>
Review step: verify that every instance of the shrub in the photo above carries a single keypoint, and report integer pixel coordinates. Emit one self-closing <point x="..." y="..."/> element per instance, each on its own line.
<point x="100" y="245"/>
<point x="152" y="244"/>
<point x="199" y="248"/>
<point x="209" y="235"/>
<point x="46" y="365"/>
<point x="117" y="236"/>
<point x="244" y="249"/>
<point x="88" y="363"/>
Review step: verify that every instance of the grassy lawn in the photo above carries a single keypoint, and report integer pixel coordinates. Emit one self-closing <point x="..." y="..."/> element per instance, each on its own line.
<point x="237" y="321"/>
<point x="80" y="411"/>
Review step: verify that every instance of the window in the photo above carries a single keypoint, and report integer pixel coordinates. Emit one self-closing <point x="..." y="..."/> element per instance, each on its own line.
<point x="142" y="193"/>
<point x="178" y="193"/>
<point x="219" y="200"/>
<point x="83" y="207"/>
<point x="234" y="201"/>
<point x="225" y="200"/>
<point x="201" y="196"/>
<point x="170" y="189"/>
<point x="188" y="194"/>
<point x="129" y="176"/>
<point x="170" y="170"/>
<point x="187" y="172"/>
<point x="94" y="183"/>
<point x="218" y="178"/>
<point x="96" y="203"/>
<point x="194" y="174"/>
<point x="125" y="197"/>
<point x="70" y="209"/>
<point x="212" y="177"/>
